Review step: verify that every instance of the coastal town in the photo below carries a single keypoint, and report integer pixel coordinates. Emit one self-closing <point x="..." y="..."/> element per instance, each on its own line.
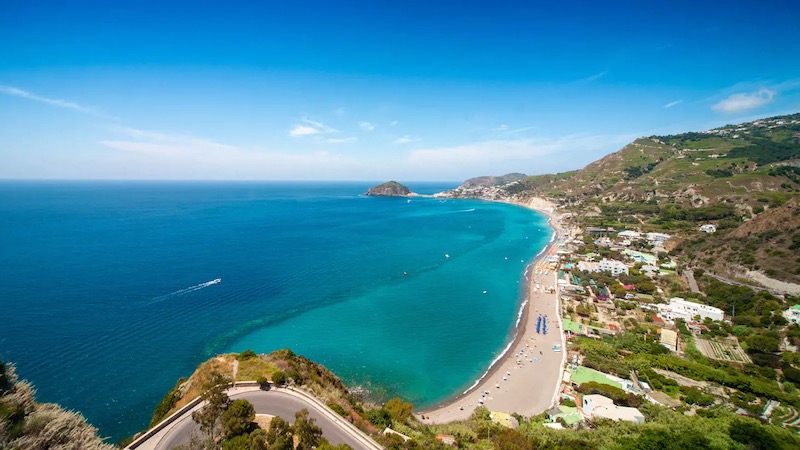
<point x="623" y="284"/>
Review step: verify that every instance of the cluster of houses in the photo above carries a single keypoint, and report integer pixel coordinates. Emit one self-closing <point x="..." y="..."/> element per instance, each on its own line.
<point x="593" y="263"/>
<point x="735" y="131"/>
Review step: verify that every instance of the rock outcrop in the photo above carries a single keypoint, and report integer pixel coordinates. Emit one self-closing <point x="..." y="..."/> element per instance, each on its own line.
<point x="390" y="189"/>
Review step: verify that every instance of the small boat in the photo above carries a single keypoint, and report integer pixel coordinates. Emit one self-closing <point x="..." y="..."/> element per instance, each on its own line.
<point x="446" y="255"/>
<point x="217" y="280"/>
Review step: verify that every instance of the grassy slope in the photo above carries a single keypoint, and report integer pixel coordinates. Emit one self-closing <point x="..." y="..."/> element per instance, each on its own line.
<point x="740" y="176"/>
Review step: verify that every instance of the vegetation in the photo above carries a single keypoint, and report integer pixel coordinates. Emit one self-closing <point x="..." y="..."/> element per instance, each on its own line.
<point x="167" y="403"/>
<point x="26" y="424"/>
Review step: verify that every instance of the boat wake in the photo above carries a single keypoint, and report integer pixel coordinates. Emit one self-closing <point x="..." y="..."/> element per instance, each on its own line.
<point x="196" y="287"/>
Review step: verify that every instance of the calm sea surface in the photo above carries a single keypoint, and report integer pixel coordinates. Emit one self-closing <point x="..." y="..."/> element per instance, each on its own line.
<point x="108" y="295"/>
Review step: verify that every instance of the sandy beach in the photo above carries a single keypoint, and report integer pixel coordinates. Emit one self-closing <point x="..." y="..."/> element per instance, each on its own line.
<point x="526" y="378"/>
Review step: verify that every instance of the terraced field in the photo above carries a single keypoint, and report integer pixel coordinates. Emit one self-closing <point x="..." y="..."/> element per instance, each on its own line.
<point x="722" y="351"/>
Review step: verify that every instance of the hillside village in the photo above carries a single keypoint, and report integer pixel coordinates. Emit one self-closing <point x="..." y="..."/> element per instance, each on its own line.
<point x="644" y="319"/>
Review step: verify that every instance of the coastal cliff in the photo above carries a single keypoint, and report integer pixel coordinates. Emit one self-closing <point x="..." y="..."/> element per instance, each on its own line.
<point x="389" y="189"/>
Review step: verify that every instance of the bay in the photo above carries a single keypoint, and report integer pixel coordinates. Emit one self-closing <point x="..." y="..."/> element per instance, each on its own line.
<point x="109" y="296"/>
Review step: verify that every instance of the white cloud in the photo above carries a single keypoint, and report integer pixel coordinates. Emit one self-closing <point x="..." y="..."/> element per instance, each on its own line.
<point x="366" y="126"/>
<point x="320" y="126"/>
<point x="502" y="127"/>
<point x="148" y="155"/>
<point x="303" y="130"/>
<point x="310" y="127"/>
<point x="406" y="139"/>
<point x="21" y="93"/>
<point x="744" y="101"/>
<point x="393" y="123"/>
<point x="671" y="104"/>
<point x="341" y="140"/>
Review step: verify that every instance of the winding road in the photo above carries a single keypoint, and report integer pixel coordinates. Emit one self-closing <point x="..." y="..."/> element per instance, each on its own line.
<point x="276" y="402"/>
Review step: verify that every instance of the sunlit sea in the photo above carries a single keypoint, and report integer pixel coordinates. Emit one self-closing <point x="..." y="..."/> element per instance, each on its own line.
<point x="111" y="291"/>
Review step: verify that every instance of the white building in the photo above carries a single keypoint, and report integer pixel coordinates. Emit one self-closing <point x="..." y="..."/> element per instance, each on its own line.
<point x="708" y="228"/>
<point x="605" y="265"/>
<point x="628" y="234"/>
<point x="792" y="314"/>
<point x="613" y="266"/>
<point x="679" y="308"/>
<point x="657" y="237"/>
<point x="596" y="406"/>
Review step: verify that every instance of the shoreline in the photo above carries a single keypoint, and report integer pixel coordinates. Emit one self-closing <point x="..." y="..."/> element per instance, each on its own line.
<point x="459" y="407"/>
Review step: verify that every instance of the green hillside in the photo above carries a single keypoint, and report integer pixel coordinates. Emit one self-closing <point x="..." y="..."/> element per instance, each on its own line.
<point x="728" y="176"/>
<point x="747" y="166"/>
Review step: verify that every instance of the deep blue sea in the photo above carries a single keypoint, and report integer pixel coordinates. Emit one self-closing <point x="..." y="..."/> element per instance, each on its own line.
<point x="107" y="293"/>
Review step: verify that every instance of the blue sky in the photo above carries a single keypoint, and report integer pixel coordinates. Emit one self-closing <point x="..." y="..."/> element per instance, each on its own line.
<point x="374" y="90"/>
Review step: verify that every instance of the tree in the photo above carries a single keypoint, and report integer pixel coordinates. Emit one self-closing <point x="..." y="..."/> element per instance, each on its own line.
<point x="763" y="343"/>
<point x="398" y="409"/>
<point x="752" y="434"/>
<point x="308" y="434"/>
<point x="216" y="399"/>
<point x="646" y="288"/>
<point x="238" y="418"/>
<point x="279" y="436"/>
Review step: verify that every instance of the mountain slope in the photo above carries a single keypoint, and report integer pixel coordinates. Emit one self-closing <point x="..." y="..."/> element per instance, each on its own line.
<point x="745" y="179"/>
<point x="744" y="165"/>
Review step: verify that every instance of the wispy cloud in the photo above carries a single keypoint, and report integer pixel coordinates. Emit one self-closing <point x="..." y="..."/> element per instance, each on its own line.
<point x="405" y="140"/>
<point x="671" y="104"/>
<point x="740" y="102"/>
<point x="594" y="77"/>
<point x="21" y="93"/>
<point x="366" y="126"/>
<point x="517" y="152"/>
<point x="344" y="140"/>
<point x="520" y="130"/>
<point x="505" y="129"/>
<point x="309" y="127"/>
<point x="153" y="154"/>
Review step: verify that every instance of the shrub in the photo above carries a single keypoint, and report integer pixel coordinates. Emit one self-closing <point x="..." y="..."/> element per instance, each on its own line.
<point x="279" y="378"/>
<point x="245" y="355"/>
<point x="338" y="409"/>
<point x="379" y="417"/>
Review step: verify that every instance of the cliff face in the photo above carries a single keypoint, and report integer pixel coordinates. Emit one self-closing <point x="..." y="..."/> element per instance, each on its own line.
<point x="390" y="189"/>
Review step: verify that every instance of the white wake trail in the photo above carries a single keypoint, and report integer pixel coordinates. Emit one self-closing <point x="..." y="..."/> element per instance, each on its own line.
<point x="196" y="287"/>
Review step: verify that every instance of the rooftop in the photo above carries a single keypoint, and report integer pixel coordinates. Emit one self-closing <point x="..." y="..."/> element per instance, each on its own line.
<point x="584" y="375"/>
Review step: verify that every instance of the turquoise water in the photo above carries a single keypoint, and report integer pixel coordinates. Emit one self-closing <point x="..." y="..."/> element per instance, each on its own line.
<point x="110" y="286"/>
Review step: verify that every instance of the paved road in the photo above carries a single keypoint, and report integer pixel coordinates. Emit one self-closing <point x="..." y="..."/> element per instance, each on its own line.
<point x="689" y="274"/>
<point x="275" y="403"/>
